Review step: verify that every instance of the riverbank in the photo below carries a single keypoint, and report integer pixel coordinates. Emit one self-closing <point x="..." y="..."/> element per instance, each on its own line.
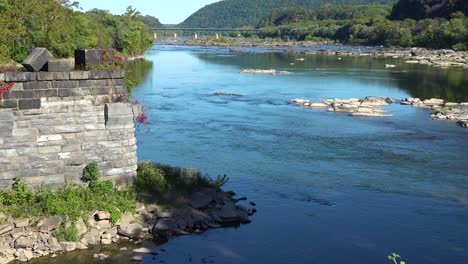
<point x="82" y="217"/>
<point x="442" y="58"/>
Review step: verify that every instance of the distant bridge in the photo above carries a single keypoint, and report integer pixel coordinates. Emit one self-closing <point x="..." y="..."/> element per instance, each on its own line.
<point x="200" y="31"/>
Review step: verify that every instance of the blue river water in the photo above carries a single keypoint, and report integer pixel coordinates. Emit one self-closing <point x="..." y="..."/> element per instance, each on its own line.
<point x="329" y="188"/>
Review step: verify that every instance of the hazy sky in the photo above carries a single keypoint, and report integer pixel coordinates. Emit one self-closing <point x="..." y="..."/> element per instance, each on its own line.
<point x="168" y="11"/>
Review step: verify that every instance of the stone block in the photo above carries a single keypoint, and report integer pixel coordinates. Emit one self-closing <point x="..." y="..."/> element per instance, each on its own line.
<point x="44" y="85"/>
<point x="65" y="84"/>
<point x="9" y="103"/>
<point x="29" y="104"/>
<point x="21" y="95"/>
<point x="45" y="93"/>
<point x="7" y="123"/>
<point x="85" y="59"/>
<point x="37" y="59"/>
<point x="20" y="76"/>
<point x="74" y="92"/>
<point x="30" y="85"/>
<point x="58" y="66"/>
<point x="97" y="75"/>
<point x="2" y="77"/>
<point x="18" y="87"/>
<point x="61" y="76"/>
<point x="45" y="76"/>
<point x="25" y="132"/>
<point x="79" y="75"/>
<point x="48" y="150"/>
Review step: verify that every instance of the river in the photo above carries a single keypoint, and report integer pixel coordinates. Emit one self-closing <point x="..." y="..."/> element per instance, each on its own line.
<point x="329" y="188"/>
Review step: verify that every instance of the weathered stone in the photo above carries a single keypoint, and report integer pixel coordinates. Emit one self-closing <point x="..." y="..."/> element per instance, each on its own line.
<point x="79" y="75"/>
<point x="102" y="215"/>
<point x="202" y="199"/>
<point x="87" y="58"/>
<point x="24" y="242"/>
<point x="22" y="222"/>
<point x="68" y="246"/>
<point x="58" y="66"/>
<point x="29" y="104"/>
<point x="5" y="228"/>
<point x="54" y="244"/>
<point x="20" y="76"/>
<point x="81" y="227"/>
<point x="47" y="224"/>
<point x="130" y="230"/>
<point x="37" y="59"/>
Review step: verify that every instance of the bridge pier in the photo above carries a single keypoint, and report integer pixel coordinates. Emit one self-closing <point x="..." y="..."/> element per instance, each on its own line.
<point x="155" y="35"/>
<point x="217" y="36"/>
<point x="196" y="36"/>
<point x="175" y="35"/>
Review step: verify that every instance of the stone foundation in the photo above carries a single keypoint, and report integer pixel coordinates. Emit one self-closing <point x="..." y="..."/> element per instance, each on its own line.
<point x="52" y="124"/>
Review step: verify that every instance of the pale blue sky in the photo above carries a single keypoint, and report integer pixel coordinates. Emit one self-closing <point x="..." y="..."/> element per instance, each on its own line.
<point x="168" y="11"/>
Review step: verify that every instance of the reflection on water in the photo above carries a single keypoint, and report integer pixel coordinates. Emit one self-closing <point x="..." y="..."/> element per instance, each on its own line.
<point x="419" y="80"/>
<point x="328" y="187"/>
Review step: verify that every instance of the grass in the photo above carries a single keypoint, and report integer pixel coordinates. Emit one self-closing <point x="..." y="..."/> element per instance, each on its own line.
<point x="67" y="233"/>
<point x="170" y="185"/>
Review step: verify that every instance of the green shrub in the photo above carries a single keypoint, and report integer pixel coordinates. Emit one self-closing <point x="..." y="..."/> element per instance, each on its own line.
<point x="67" y="234"/>
<point x="150" y="178"/>
<point x="154" y="177"/>
<point x="106" y="187"/>
<point x="91" y="172"/>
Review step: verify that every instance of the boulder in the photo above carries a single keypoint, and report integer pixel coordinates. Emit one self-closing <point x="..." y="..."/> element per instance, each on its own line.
<point x="101" y="215"/>
<point x="81" y="227"/>
<point x="299" y="101"/>
<point x="152" y="208"/>
<point x="130" y="230"/>
<point x="54" y="245"/>
<point x="229" y="213"/>
<point x="47" y="224"/>
<point x="202" y="199"/>
<point x="433" y="102"/>
<point x="68" y="246"/>
<point x="22" y="222"/>
<point x="24" y="242"/>
<point x="165" y="227"/>
<point x="6" y="228"/>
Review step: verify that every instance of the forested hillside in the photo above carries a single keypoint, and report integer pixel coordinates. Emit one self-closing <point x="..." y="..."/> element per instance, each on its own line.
<point x="366" y="25"/>
<point x="242" y="13"/>
<point x="54" y="24"/>
<point x="420" y="9"/>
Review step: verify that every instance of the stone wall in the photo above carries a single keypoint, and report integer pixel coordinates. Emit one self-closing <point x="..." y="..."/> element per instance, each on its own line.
<point x="52" y="124"/>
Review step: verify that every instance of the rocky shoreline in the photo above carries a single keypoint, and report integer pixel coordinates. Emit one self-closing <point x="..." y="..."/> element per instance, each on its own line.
<point x="25" y="239"/>
<point x="373" y="106"/>
<point x="442" y="58"/>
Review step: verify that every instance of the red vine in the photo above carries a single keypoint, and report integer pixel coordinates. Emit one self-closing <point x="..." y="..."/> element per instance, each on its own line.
<point x="6" y="88"/>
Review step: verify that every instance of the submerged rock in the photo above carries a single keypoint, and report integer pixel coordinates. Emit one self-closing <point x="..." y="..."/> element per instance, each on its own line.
<point x="226" y="94"/>
<point x="257" y="71"/>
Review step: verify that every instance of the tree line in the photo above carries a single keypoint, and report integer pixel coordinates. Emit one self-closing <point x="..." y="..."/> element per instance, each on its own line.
<point x="61" y="27"/>
<point x="368" y="25"/>
<point x="247" y="13"/>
